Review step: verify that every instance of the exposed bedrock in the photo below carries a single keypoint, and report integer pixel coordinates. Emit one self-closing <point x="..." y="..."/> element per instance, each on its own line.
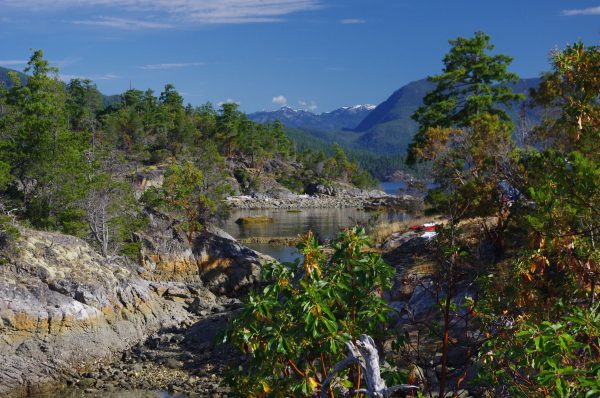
<point x="65" y="309"/>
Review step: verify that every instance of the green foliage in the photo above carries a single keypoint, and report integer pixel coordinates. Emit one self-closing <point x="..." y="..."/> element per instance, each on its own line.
<point x="83" y="102"/>
<point x="247" y="181"/>
<point x="473" y="83"/>
<point x="5" y="177"/>
<point x="549" y="358"/>
<point x="570" y="96"/>
<point x="561" y="182"/>
<point x="131" y="250"/>
<point x="194" y="191"/>
<point x="465" y="133"/>
<point x="468" y="166"/>
<point x="295" y="329"/>
<point x="110" y="207"/>
<point x="8" y="232"/>
<point x="181" y="193"/>
<point x="363" y="179"/>
<point x="550" y="292"/>
<point x="317" y="166"/>
<point x="291" y="182"/>
<point x="215" y="187"/>
<point x="47" y="161"/>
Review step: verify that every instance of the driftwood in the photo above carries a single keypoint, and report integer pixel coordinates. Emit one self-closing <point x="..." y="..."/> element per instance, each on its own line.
<point x="364" y="352"/>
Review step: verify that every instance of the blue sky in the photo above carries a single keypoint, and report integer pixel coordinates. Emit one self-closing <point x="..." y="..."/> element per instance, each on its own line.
<point x="308" y="54"/>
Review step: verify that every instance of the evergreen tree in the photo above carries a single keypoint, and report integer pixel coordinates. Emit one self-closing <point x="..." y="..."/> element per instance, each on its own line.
<point x="473" y="83"/>
<point x="46" y="160"/>
<point x="84" y="101"/>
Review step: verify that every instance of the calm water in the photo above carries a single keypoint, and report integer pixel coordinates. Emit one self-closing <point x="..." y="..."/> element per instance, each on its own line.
<point x="325" y="223"/>
<point x="392" y="188"/>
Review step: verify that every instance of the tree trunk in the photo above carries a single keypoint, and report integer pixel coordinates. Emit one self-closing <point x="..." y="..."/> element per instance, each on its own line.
<point x="364" y="352"/>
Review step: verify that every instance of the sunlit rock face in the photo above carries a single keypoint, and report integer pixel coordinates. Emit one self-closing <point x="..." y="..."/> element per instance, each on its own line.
<point x="65" y="308"/>
<point x="213" y="257"/>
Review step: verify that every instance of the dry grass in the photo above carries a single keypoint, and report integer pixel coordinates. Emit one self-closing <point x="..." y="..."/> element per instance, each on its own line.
<point x="271" y="240"/>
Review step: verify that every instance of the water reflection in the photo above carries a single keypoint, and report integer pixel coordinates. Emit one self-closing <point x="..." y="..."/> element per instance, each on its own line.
<point x="325" y="224"/>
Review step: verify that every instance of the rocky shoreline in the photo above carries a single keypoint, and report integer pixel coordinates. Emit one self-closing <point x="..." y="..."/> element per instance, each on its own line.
<point x="66" y="311"/>
<point x="370" y="200"/>
<point x="184" y="360"/>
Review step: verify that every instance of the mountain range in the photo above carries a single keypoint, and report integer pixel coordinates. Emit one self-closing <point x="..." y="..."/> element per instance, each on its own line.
<point x="385" y="129"/>
<point x="345" y="118"/>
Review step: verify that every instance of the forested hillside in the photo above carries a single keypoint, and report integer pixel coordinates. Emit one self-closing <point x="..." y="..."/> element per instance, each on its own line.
<point x="69" y="162"/>
<point x="5" y="78"/>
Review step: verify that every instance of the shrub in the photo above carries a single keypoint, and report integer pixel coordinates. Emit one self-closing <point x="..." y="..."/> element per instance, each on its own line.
<point x="549" y="359"/>
<point x="291" y="182"/>
<point x="8" y="233"/>
<point x="295" y="329"/>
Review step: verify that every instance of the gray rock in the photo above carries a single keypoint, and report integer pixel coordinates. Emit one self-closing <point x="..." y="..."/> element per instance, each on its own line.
<point x="63" y="307"/>
<point x="213" y="259"/>
<point x="422" y="300"/>
<point x="173" y="363"/>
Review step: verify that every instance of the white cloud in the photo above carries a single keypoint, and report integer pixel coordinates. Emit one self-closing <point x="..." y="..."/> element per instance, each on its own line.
<point x="190" y="11"/>
<point x="122" y="23"/>
<point x="308" y="105"/>
<point x="172" y="66"/>
<point x="581" y="11"/>
<point x="18" y="62"/>
<point x="12" y="62"/>
<point x="352" y="21"/>
<point x="229" y="101"/>
<point x="106" y="76"/>
<point x="279" y="100"/>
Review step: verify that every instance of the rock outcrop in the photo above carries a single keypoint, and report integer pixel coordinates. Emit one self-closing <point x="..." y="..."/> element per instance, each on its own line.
<point x="213" y="257"/>
<point x="66" y="309"/>
<point x="151" y="177"/>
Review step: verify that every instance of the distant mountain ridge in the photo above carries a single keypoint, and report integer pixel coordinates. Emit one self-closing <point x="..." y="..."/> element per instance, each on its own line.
<point x="5" y="78"/>
<point x="389" y="128"/>
<point x="386" y="129"/>
<point x="345" y="118"/>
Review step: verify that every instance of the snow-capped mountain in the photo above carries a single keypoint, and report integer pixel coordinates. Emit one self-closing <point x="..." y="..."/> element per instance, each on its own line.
<point x="345" y="118"/>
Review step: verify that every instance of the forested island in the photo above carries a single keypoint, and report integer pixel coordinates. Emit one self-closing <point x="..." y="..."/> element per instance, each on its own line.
<point x="117" y="277"/>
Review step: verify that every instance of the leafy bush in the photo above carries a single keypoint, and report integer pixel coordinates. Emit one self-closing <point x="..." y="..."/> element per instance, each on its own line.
<point x="247" y="181"/>
<point x="291" y="182"/>
<point x="294" y="330"/>
<point x="131" y="250"/>
<point x="158" y="156"/>
<point x="550" y="359"/>
<point x="8" y="232"/>
<point x="363" y="179"/>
